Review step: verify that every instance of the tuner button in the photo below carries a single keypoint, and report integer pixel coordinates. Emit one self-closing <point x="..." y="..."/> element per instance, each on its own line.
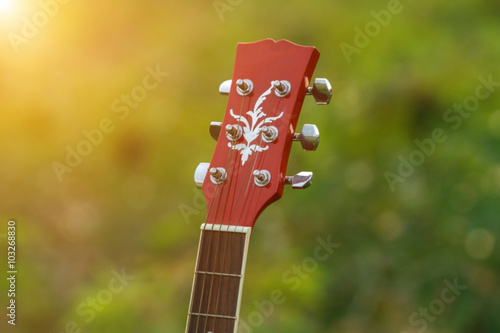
<point x="200" y="174"/>
<point x="321" y="91"/>
<point x="244" y="87"/>
<point x="301" y="180"/>
<point x="218" y="175"/>
<point x="281" y="88"/>
<point x="225" y="87"/>
<point x="233" y="132"/>
<point x="308" y="137"/>
<point x="261" y="177"/>
<point x="269" y="133"/>
<point x="215" y="127"/>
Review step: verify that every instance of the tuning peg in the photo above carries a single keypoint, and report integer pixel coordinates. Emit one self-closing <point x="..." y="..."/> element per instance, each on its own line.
<point x="269" y="133"/>
<point x="301" y="180"/>
<point x="200" y="174"/>
<point x="244" y="87"/>
<point x="281" y="88"/>
<point x="308" y="137"/>
<point x="261" y="177"/>
<point x="321" y="91"/>
<point x="215" y="127"/>
<point x="225" y="87"/>
<point x="217" y="175"/>
<point x="233" y="132"/>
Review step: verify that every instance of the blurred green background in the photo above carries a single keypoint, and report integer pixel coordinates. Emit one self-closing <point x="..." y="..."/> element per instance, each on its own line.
<point x="119" y="210"/>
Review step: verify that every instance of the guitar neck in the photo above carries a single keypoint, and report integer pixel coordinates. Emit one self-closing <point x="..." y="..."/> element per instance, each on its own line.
<point x="218" y="279"/>
<point x="247" y="172"/>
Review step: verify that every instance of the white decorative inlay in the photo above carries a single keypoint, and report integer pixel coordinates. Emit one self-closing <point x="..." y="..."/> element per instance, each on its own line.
<point x="252" y="131"/>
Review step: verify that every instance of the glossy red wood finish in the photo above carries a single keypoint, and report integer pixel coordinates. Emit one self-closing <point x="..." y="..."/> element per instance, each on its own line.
<point x="238" y="201"/>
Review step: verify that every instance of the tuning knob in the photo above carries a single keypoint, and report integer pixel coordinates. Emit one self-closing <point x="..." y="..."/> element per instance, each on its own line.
<point x="269" y="133"/>
<point x="321" y="91"/>
<point x="200" y="174"/>
<point x="217" y="175"/>
<point x="215" y="127"/>
<point x="225" y="87"/>
<point x="308" y="137"/>
<point x="243" y="87"/>
<point x="281" y="88"/>
<point x="301" y="180"/>
<point x="233" y="132"/>
<point x="261" y="177"/>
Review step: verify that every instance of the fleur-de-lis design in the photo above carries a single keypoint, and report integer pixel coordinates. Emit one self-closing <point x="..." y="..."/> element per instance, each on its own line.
<point x="251" y="131"/>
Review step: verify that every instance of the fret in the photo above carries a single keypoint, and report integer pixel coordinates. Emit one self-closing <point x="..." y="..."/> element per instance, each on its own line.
<point x="213" y="316"/>
<point x="215" y="294"/>
<point x="218" y="281"/>
<point x="221" y="274"/>
<point x="222" y="251"/>
<point x="207" y="324"/>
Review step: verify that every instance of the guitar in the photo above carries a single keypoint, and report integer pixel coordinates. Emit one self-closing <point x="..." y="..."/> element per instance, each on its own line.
<point x="247" y="170"/>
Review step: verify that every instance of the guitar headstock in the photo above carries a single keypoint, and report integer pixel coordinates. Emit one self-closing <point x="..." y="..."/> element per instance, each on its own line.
<point x="248" y="168"/>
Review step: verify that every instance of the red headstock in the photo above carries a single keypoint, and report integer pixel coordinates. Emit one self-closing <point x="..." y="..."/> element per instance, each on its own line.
<point x="247" y="171"/>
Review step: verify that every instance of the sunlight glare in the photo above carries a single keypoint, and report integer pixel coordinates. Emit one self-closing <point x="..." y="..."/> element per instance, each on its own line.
<point x="5" y="5"/>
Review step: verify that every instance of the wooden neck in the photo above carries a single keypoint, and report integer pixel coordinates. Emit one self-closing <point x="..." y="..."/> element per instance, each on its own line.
<point x="218" y="279"/>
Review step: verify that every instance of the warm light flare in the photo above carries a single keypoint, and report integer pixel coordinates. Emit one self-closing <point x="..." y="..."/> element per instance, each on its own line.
<point x="5" y="5"/>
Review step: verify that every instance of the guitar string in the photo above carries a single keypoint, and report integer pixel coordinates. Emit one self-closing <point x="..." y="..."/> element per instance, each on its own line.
<point x="268" y="109"/>
<point x="228" y="235"/>
<point x="235" y="203"/>
<point x="204" y="241"/>
<point x="233" y="235"/>
<point x="198" y="264"/>
<point x="229" y="181"/>
<point x="218" y="289"/>
<point x="247" y="179"/>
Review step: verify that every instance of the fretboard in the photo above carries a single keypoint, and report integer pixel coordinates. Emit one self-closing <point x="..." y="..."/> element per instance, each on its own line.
<point x="218" y="279"/>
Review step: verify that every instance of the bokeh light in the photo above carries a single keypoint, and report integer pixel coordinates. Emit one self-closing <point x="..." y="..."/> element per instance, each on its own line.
<point x="480" y="243"/>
